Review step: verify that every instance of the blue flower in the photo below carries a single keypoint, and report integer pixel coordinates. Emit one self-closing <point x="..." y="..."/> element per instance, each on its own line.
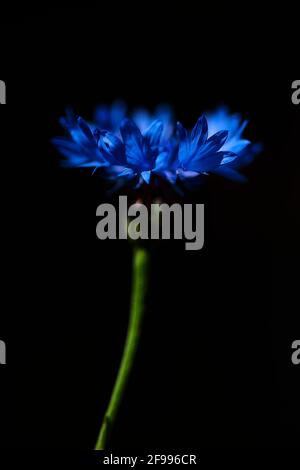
<point x="215" y="145"/>
<point x="132" y="157"/>
<point x="127" y="150"/>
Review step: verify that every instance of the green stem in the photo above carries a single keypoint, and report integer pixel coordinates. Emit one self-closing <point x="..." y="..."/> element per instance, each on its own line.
<point x="140" y="279"/>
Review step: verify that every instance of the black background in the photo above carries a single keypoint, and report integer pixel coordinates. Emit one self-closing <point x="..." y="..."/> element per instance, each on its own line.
<point x="214" y="367"/>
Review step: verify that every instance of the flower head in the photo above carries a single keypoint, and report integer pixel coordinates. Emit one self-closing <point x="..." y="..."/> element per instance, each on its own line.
<point x="132" y="156"/>
<point x="215" y="145"/>
<point x="131" y="150"/>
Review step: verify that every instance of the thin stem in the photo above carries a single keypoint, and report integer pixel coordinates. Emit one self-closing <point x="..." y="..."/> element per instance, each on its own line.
<point x="140" y="279"/>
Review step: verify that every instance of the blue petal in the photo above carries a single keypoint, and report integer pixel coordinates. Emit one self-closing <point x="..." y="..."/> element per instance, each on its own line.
<point x="236" y="146"/>
<point x="118" y="171"/>
<point x="199" y="134"/>
<point x="111" y="154"/>
<point x="184" y="144"/>
<point x="85" y="129"/>
<point x="76" y="155"/>
<point x="153" y="133"/>
<point x="75" y="132"/>
<point x="114" y="144"/>
<point x="246" y="156"/>
<point x="65" y="143"/>
<point x="241" y="129"/>
<point x="133" y="141"/>
<point x="228" y="157"/>
<point x="166" y="159"/>
<point x="183" y="174"/>
<point x="81" y="133"/>
<point x="205" y="163"/>
<point x="92" y="164"/>
<point x="214" y="143"/>
<point x="146" y="175"/>
<point x="181" y="131"/>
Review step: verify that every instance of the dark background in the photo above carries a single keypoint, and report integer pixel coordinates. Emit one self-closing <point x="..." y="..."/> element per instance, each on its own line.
<point x="214" y="367"/>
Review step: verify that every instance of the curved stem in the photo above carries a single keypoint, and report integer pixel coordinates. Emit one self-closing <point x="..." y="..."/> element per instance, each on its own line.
<point x="140" y="271"/>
